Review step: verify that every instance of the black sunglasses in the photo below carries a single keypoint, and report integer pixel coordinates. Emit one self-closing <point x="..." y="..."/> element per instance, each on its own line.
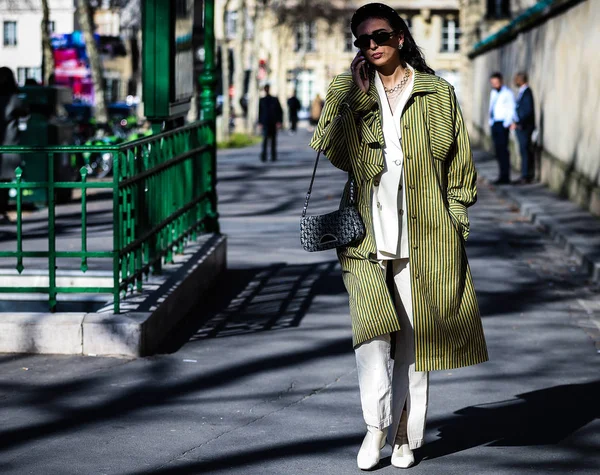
<point x="379" y="37"/>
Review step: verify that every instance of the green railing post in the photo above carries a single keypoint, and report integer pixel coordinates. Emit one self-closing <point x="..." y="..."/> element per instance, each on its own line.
<point x="19" y="177"/>
<point x="117" y="220"/>
<point x="208" y="83"/>
<point x="51" y="234"/>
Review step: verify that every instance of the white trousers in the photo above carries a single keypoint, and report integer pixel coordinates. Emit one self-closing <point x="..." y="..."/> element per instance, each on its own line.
<point x="389" y="386"/>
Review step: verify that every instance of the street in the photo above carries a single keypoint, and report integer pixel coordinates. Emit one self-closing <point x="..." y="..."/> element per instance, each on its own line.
<point x="261" y="379"/>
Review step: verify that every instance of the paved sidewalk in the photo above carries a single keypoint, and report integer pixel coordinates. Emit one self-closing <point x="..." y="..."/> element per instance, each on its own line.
<point x="261" y="379"/>
<point x="572" y="227"/>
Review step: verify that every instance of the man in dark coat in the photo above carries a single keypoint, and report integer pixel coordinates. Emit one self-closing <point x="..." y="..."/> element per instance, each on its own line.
<point x="293" y="108"/>
<point x="524" y="126"/>
<point x="270" y="116"/>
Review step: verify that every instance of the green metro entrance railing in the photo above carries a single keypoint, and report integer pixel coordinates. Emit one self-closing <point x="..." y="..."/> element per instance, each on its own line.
<point x="163" y="196"/>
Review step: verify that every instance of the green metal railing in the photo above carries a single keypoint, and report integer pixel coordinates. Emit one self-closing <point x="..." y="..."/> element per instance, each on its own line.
<point x="163" y="196"/>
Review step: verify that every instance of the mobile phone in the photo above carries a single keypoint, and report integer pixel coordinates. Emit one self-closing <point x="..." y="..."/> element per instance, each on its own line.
<point x="364" y="71"/>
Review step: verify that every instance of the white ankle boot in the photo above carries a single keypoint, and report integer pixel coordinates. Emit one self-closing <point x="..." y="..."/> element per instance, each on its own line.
<point x="370" y="450"/>
<point x="402" y="456"/>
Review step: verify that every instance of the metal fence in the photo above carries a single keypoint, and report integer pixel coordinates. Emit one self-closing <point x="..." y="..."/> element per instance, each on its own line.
<point x="163" y="196"/>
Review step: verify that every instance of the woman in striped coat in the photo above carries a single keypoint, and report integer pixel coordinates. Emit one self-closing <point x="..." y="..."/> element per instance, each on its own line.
<point x="398" y="130"/>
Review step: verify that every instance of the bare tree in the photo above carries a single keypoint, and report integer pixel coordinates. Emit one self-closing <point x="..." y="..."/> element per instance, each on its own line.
<point x="86" y="22"/>
<point x="225" y="73"/>
<point x="48" y="60"/>
<point x="258" y="20"/>
<point x="239" y="60"/>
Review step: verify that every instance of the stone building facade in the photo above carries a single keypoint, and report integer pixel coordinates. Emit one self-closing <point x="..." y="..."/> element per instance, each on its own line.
<point x="316" y="51"/>
<point x="306" y="55"/>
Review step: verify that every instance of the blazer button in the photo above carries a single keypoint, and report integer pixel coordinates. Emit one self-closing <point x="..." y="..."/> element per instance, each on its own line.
<point x="415" y="247"/>
<point x="378" y="205"/>
<point x="376" y="183"/>
<point x="417" y="275"/>
<point x="406" y="126"/>
<point x="412" y="187"/>
<point x="414" y="216"/>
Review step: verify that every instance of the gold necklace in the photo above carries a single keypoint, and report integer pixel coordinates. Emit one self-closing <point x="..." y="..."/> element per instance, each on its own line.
<point x="400" y="85"/>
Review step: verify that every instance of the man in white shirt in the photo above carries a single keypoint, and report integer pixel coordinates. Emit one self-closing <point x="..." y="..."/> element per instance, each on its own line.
<point x="502" y="112"/>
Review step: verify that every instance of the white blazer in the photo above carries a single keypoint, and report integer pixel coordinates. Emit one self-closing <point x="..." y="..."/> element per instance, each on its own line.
<point x="390" y="224"/>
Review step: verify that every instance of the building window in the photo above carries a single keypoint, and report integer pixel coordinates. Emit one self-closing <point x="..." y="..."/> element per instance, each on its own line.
<point x="306" y="40"/>
<point x="231" y="19"/>
<point x="497" y="9"/>
<point x="10" y="33"/>
<point x="249" y="26"/>
<point x="450" y="35"/>
<point x="23" y="74"/>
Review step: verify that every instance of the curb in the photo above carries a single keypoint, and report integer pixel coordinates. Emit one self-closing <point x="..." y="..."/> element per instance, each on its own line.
<point x="134" y="333"/>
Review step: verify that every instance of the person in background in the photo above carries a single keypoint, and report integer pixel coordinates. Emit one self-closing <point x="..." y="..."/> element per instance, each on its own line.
<point x="502" y="112"/>
<point x="270" y="117"/>
<point x="524" y="125"/>
<point x="11" y="109"/>
<point x="293" y="107"/>
<point x="316" y="108"/>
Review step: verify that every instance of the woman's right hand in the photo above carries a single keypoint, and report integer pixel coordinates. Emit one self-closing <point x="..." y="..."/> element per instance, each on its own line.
<point x="360" y="72"/>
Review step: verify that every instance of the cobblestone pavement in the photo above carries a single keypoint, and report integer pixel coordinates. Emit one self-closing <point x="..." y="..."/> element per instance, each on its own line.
<point x="261" y="378"/>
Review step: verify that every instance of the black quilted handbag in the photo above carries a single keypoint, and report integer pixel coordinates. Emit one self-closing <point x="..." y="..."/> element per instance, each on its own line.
<point x="341" y="228"/>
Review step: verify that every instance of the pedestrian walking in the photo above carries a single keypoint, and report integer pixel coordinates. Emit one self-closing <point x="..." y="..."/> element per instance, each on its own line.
<point x="294" y="107"/>
<point x="524" y="126"/>
<point x="270" y="116"/>
<point x="502" y="112"/>
<point x="397" y="129"/>
<point x="11" y="109"/>
<point x="316" y="107"/>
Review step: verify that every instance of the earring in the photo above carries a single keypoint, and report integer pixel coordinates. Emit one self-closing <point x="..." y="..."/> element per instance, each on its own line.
<point x="400" y="45"/>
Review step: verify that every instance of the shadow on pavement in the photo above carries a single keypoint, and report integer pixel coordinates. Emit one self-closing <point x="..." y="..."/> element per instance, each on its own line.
<point x="258" y="299"/>
<point x="251" y="457"/>
<point x="108" y="405"/>
<point x="543" y="417"/>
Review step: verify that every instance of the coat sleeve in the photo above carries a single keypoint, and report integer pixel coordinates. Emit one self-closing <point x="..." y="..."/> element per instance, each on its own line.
<point x="462" y="176"/>
<point x="336" y="133"/>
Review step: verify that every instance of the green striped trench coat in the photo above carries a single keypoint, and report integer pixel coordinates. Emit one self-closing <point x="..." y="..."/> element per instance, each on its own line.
<point x="441" y="184"/>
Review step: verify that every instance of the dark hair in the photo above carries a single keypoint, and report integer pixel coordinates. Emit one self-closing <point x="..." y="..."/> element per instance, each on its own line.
<point x="8" y="85"/>
<point x="523" y="76"/>
<point x="497" y="75"/>
<point x="410" y="52"/>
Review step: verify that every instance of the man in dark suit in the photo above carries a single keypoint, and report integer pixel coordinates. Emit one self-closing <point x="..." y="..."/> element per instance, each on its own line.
<point x="524" y="125"/>
<point x="270" y="117"/>
<point x="294" y="106"/>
